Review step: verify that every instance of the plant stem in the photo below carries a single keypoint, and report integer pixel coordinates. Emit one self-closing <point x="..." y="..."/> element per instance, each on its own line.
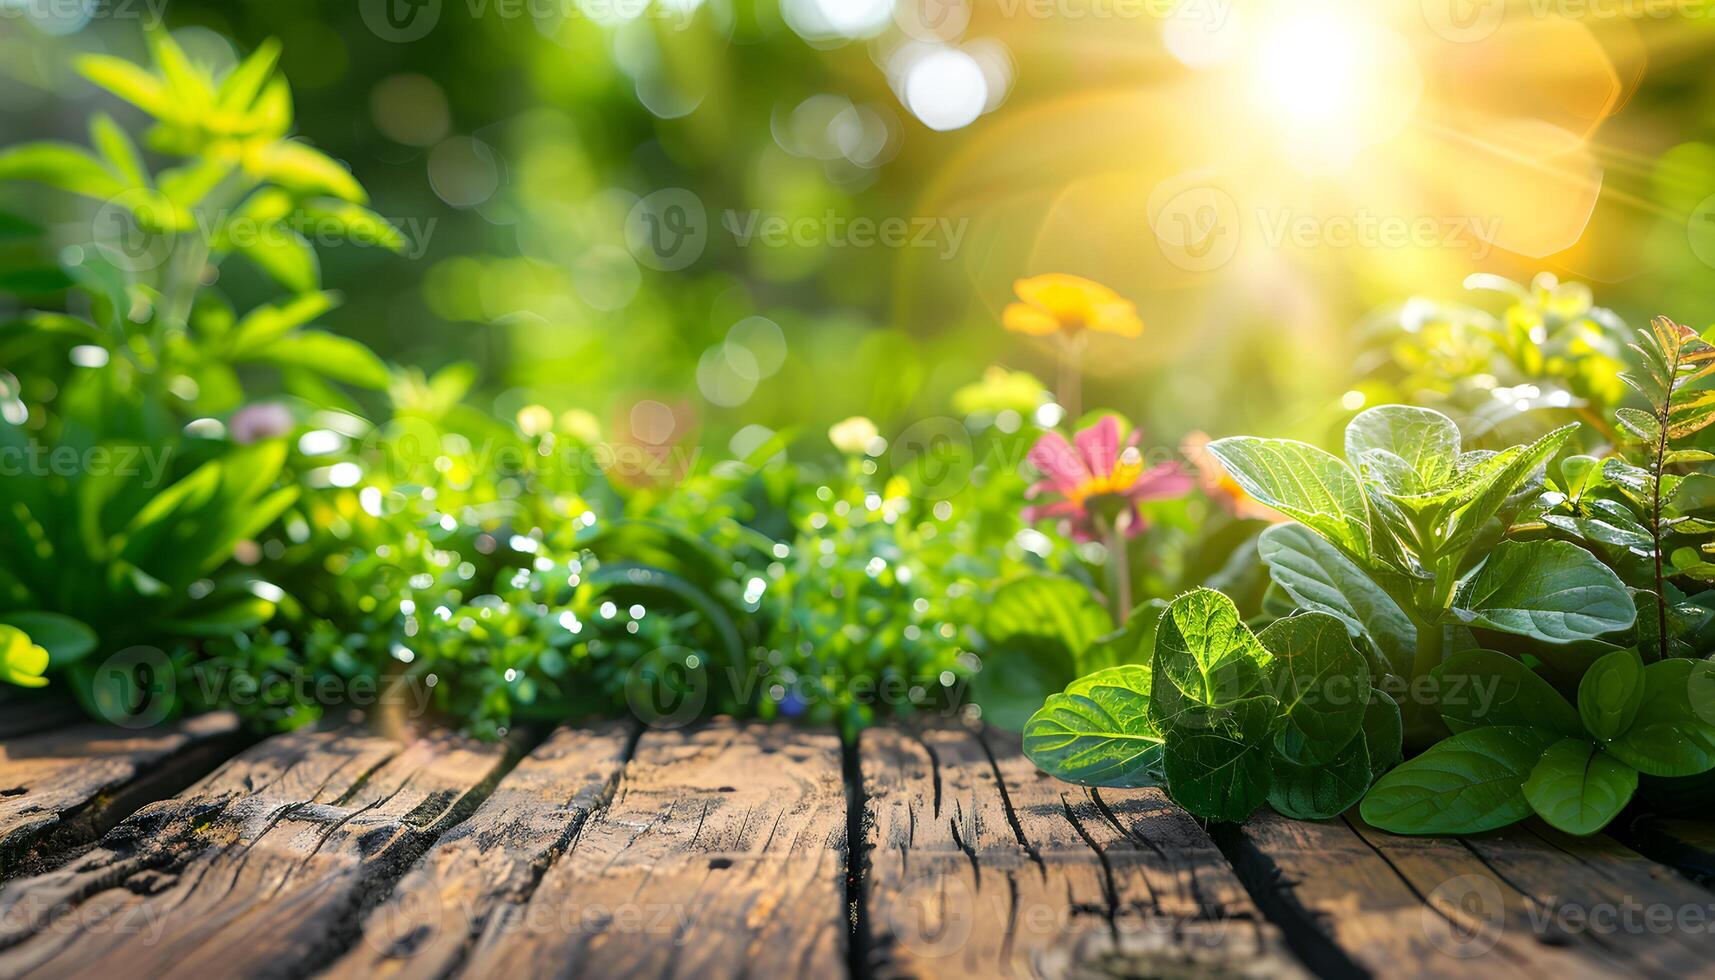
<point x="1119" y="571"/>
<point x="1071" y="377"/>
<point x="1656" y="465"/>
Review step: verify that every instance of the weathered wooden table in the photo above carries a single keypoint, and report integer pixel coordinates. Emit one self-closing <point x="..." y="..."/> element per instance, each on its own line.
<point x="733" y="849"/>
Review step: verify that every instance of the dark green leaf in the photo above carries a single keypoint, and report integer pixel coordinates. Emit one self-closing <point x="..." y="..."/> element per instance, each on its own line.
<point x="1220" y="770"/>
<point x="67" y="640"/>
<point x="1549" y="590"/>
<point x="1204" y="658"/>
<point x="1322" y="685"/>
<point x="1610" y="693"/>
<point x="1465" y="784"/>
<point x="1322" y="790"/>
<point x="1320" y="578"/>
<point x="1578" y="788"/>
<point x="1673" y="733"/>
<point x="1482" y="688"/>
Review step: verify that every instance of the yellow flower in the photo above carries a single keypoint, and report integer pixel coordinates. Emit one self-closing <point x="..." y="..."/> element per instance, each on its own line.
<point x="1060" y="303"/>
<point x="854" y="435"/>
<point x="21" y="662"/>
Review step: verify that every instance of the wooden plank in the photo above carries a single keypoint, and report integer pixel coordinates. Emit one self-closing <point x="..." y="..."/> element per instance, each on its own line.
<point x="1607" y="895"/>
<point x="64" y="788"/>
<point x="977" y="864"/>
<point x="1393" y="906"/>
<point x="1688" y="846"/>
<point x="491" y="862"/>
<point x="722" y="854"/>
<point x="261" y="869"/>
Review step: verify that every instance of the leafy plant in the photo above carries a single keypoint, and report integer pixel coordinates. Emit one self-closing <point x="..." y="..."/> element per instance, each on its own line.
<point x="1401" y="542"/>
<point x="133" y="494"/>
<point x="1529" y="750"/>
<point x="1226" y="719"/>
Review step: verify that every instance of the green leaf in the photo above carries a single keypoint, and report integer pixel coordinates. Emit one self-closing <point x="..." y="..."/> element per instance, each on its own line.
<point x="1322" y="684"/>
<point x="1578" y="788"/>
<point x="67" y="640"/>
<point x="1320" y="578"/>
<point x="1324" y="790"/>
<point x="1549" y="590"/>
<point x="266" y="324"/>
<point x="1220" y="770"/>
<point x="359" y="224"/>
<point x="240" y="88"/>
<point x="1673" y="733"/>
<point x="1205" y="658"/>
<point x="1500" y="476"/>
<point x="1485" y="689"/>
<point x="280" y="252"/>
<point x="130" y="82"/>
<point x="303" y="169"/>
<point x="1465" y="784"/>
<point x="1047" y="609"/>
<point x="1408" y="450"/>
<point x="1098" y="732"/>
<point x="1306" y="484"/>
<point x="1607" y="522"/>
<point x="1384" y="732"/>
<point x="330" y="355"/>
<point x="62" y="165"/>
<point x="117" y="148"/>
<point x="1610" y="694"/>
<point x="1639" y="424"/>
<point x="1132" y="644"/>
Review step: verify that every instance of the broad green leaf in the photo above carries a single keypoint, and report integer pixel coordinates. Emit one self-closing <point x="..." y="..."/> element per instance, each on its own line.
<point x="62" y="165"/>
<point x="1098" y="732"/>
<point x="1673" y="733"/>
<point x="1384" y="732"/>
<point x="67" y="640"/>
<point x="1638" y="484"/>
<point x="1485" y="689"/>
<point x="1320" y="578"/>
<point x="1323" y="790"/>
<point x="1578" y="788"/>
<point x="1322" y="684"/>
<point x="189" y="84"/>
<point x="1409" y="450"/>
<point x="1691" y="415"/>
<point x="1132" y="644"/>
<point x="1220" y="770"/>
<point x="1306" y="484"/>
<point x="1501" y="476"/>
<point x="1049" y="609"/>
<point x="1610" y="694"/>
<point x="1465" y="784"/>
<point x="1549" y="590"/>
<point x="1205" y="658"/>
<point x="188" y="185"/>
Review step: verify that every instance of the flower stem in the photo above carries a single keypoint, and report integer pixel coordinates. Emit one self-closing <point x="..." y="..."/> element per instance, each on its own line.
<point x="1071" y="378"/>
<point x="1119" y="571"/>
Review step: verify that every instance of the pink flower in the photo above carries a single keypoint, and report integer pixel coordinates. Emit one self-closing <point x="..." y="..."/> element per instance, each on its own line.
<point x="1098" y="479"/>
<point x="259" y="421"/>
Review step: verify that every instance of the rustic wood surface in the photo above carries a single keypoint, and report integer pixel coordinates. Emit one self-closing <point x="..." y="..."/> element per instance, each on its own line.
<point x="747" y="849"/>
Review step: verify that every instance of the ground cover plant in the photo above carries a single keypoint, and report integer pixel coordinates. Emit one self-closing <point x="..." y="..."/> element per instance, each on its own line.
<point x="1480" y="587"/>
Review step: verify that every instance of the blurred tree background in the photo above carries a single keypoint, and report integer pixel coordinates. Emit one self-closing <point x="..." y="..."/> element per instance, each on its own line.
<point x="784" y="212"/>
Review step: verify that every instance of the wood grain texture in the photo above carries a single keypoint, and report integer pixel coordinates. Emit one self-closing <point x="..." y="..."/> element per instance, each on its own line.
<point x="24" y="713"/>
<point x="489" y="865"/>
<point x="261" y="869"/>
<point x="63" y="788"/>
<point x="978" y="865"/>
<point x="1490" y="905"/>
<point x="721" y="854"/>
